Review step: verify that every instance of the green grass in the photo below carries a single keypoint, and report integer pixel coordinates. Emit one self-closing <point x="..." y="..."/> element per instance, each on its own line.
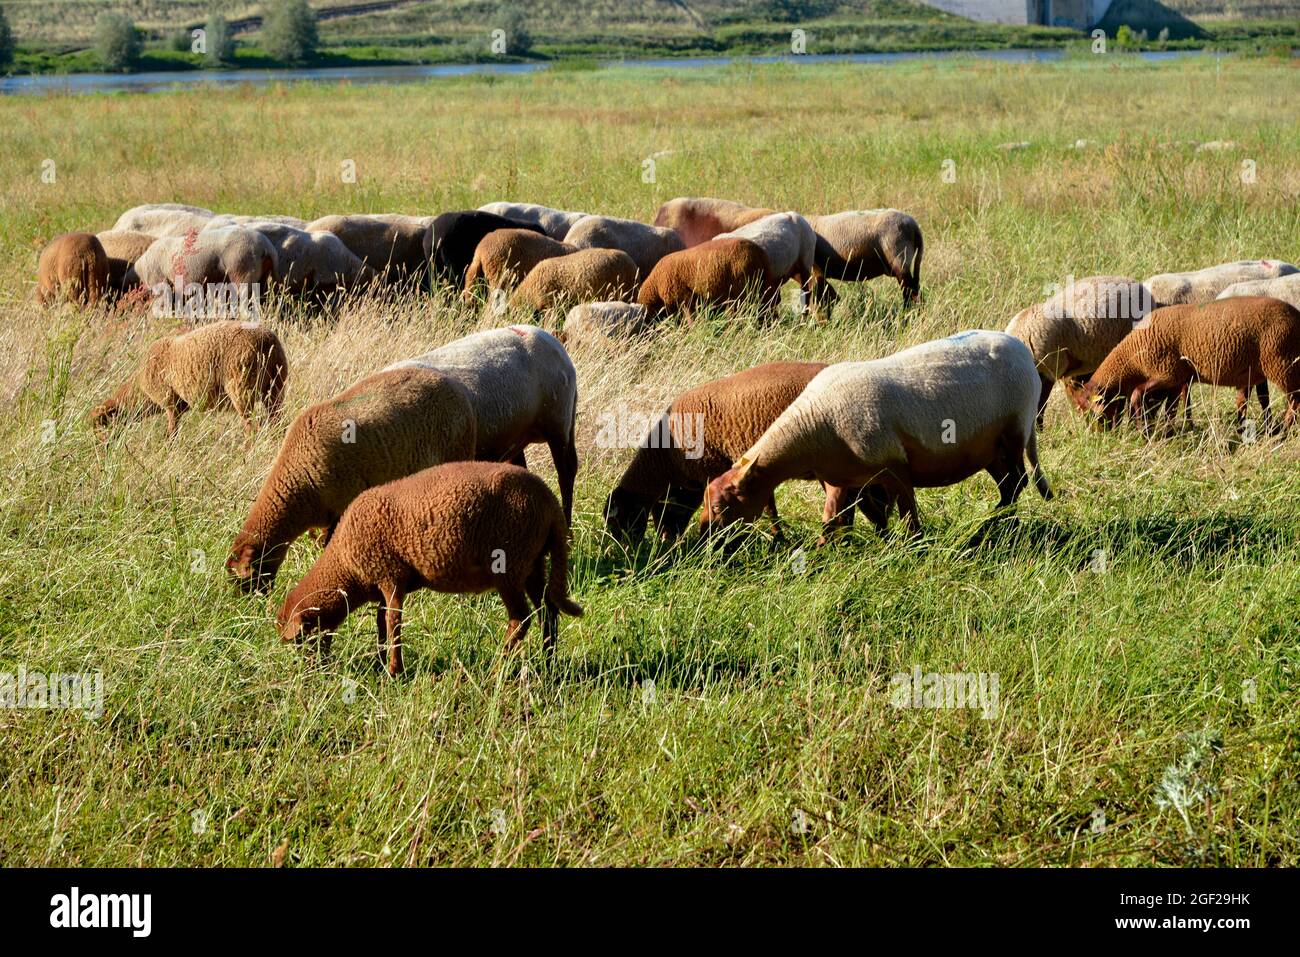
<point x="771" y="677"/>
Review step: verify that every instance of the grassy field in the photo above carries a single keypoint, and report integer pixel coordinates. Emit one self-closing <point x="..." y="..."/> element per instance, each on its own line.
<point x="705" y="710"/>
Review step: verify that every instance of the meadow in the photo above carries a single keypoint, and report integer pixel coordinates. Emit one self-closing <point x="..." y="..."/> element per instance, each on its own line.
<point x="708" y="709"/>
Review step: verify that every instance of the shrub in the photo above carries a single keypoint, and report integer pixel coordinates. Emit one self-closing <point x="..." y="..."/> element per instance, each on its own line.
<point x="221" y="45"/>
<point x="6" y="41"/>
<point x="289" y="31"/>
<point x="513" y="21"/>
<point x="117" y="44"/>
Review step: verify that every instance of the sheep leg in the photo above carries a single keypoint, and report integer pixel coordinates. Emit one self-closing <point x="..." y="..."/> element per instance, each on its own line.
<point x="175" y="405"/>
<point x="565" y="456"/>
<point x="1270" y="420"/>
<point x="770" y="508"/>
<point x="1045" y="393"/>
<point x="1138" y="404"/>
<point x="837" y="513"/>
<point x="905" y="495"/>
<point x="517" y="609"/>
<point x="392" y="632"/>
<point x="535" y="586"/>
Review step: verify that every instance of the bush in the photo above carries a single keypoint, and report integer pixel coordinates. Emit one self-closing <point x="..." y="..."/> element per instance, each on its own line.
<point x="289" y="31"/>
<point x="117" y="44"/>
<point x="221" y="45"/>
<point x="512" y="20"/>
<point x="6" y="41"/>
<point x="180" y="41"/>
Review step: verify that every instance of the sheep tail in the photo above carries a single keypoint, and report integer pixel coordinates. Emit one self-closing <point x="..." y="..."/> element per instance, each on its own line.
<point x="557" y="588"/>
<point x="1031" y="452"/>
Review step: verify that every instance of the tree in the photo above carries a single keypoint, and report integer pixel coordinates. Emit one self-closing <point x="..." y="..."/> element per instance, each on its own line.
<point x="116" y="41"/>
<point x="289" y="31"/>
<point x="221" y="45"/>
<point x="512" y="20"/>
<point x="6" y="41"/>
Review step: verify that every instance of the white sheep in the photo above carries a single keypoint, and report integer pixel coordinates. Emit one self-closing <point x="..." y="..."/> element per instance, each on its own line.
<point x="163" y="219"/>
<point x="645" y="244"/>
<point x="601" y="323"/>
<point x="928" y="416"/>
<point x="233" y="254"/>
<point x="1203" y="285"/>
<point x="524" y="389"/>
<point x="1286" y="288"/>
<point x="791" y="246"/>
<point x="556" y="222"/>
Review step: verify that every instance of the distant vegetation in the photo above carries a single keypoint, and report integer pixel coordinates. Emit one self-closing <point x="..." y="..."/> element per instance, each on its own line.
<point x="117" y="44"/>
<point x="61" y="37"/>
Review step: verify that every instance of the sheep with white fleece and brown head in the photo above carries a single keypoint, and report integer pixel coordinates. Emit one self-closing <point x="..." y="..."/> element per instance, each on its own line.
<point x="460" y="528"/>
<point x="163" y="219"/>
<point x="699" y="219"/>
<point x="791" y="247"/>
<point x="862" y="244"/>
<point x="645" y="244"/>
<point x="1204" y="285"/>
<point x="928" y="416"/>
<point x="523" y="389"/>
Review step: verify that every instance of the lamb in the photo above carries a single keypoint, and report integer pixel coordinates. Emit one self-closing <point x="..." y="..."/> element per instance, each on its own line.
<point x="697" y="220"/>
<point x="791" y="247"/>
<point x="556" y="223"/>
<point x="584" y="275"/>
<point x="163" y="219"/>
<point x="1203" y="285"/>
<point x="390" y="244"/>
<point x="505" y="256"/>
<point x="387" y="426"/>
<point x="233" y="254"/>
<point x="861" y="244"/>
<point x="1072" y="332"/>
<point x="523" y="389"/>
<point x="123" y="248"/>
<point x="645" y="244"/>
<point x="717" y="273"/>
<point x="1286" y="288"/>
<point x="696" y="439"/>
<point x="450" y="243"/>
<point x="928" y="416"/>
<point x="1240" y="342"/>
<point x="465" y="527"/>
<point x="598" y="323"/>
<point x="222" y="364"/>
<point x="74" y="266"/>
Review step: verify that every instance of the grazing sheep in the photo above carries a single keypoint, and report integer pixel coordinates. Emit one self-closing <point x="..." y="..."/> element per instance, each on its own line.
<point x="1203" y="285"/>
<point x="583" y="275"/>
<point x="390" y="244"/>
<point x="928" y="416"/>
<point x="505" y="256"/>
<point x="523" y="389"/>
<point x="791" y="247"/>
<point x="556" y="223"/>
<point x="718" y="273"/>
<point x="123" y="248"/>
<point x="645" y="244"/>
<point x="385" y="427"/>
<point x="221" y="220"/>
<point x="233" y="254"/>
<point x="450" y="244"/>
<point x="163" y="219"/>
<point x="222" y="364"/>
<point x="461" y="528"/>
<point x="697" y="220"/>
<point x="696" y="440"/>
<point x="1241" y="342"/>
<point x="74" y="266"/>
<point x="861" y="244"/>
<point x="1286" y="288"/>
<point x="1072" y="332"/>
<point x="594" y="323"/>
<point x="313" y="263"/>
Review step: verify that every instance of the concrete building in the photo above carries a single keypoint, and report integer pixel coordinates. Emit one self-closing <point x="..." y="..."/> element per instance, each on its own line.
<point x="1079" y="14"/>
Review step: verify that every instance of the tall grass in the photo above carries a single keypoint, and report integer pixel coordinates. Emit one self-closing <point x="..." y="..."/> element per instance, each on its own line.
<point x="706" y="710"/>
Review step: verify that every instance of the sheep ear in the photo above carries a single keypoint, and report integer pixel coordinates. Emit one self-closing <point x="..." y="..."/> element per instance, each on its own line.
<point x="741" y="470"/>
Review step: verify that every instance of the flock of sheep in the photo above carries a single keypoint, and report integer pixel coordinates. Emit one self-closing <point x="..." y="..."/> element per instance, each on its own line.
<point x="415" y="476"/>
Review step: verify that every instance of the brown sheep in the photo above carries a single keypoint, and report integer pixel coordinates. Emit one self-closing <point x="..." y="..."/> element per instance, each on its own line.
<point x="1239" y="342"/>
<point x="123" y="247"/>
<point x="698" y="220"/>
<point x="718" y="273"/>
<point x="700" y="435"/>
<point x="223" y="364"/>
<point x="461" y="528"/>
<point x="389" y="243"/>
<point x="588" y="274"/>
<point x="73" y="265"/>
<point x="385" y="427"/>
<point x="505" y="256"/>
